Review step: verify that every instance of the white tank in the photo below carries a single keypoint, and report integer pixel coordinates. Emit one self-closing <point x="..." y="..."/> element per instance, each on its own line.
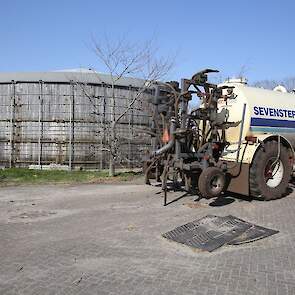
<point x="267" y="113"/>
<point x="269" y="116"/>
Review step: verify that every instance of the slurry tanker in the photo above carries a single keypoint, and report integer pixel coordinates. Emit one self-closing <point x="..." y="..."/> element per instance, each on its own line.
<point x="240" y="139"/>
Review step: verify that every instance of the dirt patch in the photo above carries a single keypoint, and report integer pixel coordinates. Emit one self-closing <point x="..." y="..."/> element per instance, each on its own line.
<point x="195" y="205"/>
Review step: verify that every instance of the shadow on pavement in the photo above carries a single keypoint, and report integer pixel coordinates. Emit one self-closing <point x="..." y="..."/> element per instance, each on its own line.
<point x="177" y="199"/>
<point x="230" y="197"/>
<point x="226" y="199"/>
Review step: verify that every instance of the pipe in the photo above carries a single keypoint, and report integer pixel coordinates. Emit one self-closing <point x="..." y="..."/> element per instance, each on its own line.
<point x="241" y="132"/>
<point x="171" y="142"/>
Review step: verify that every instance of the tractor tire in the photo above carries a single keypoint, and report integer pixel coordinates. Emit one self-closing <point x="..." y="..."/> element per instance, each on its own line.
<point x="211" y="182"/>
<point x="269" y="176"/>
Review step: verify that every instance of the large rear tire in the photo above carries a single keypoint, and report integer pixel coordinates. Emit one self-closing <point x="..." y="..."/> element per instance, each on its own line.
<point x="270" y="174"/>
<point x="211" y="182"/>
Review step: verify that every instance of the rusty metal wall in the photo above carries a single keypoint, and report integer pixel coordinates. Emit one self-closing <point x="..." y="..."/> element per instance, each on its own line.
<point x="44" y="122"/>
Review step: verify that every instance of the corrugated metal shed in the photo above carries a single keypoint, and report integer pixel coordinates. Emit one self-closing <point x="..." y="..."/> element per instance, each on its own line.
<point x="46" y="118"/>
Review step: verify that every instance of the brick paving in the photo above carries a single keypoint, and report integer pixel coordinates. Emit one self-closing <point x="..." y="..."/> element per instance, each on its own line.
<point x="106" y="239"/>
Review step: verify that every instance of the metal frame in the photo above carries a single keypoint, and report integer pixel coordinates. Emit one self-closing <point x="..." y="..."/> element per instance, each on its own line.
<point x="197" y="138"/>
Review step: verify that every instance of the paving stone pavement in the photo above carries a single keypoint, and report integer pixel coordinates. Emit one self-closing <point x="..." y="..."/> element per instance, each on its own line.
<point x="106" y="239"/>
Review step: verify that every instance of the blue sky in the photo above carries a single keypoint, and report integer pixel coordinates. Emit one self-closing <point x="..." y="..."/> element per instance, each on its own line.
<point x="257" y="36"/>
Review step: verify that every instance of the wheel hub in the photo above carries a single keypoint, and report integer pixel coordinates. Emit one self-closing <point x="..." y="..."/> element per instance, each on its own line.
<point x="274" y="173"/>
<point x="216" y="183"/>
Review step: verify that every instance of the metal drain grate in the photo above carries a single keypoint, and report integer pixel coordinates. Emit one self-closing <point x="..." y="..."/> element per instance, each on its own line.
<point x="212" y="232"/>
<point x="208" y="233"/>
<point x="252" y="234"/>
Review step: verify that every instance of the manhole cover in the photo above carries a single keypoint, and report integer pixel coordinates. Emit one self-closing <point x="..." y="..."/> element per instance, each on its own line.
<point x="254" y="233"/>
<point x="212" y="232"/>
<point x="208" y="233"/>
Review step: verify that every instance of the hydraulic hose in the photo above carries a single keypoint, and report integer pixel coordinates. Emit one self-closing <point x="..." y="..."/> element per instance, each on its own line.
<point x="170" y="143"/>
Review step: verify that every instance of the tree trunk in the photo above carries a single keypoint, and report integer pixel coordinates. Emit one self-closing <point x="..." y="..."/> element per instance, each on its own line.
<point x="111" y="166"/>
<point x="112" y="150"/>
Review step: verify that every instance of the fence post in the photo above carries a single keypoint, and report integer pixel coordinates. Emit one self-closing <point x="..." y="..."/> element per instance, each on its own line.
<point x="71" y="126"/>
<point x="40" y="124"/>
<point x="103" y="124"/>
<point x="12" y="122"/>
<point x="130" y="125"/>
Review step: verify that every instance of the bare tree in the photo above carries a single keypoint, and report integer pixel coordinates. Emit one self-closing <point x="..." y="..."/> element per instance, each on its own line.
<point x="121" y="58"/>
<point x="289" y="83"/>
<point x="243" y="71"/>
<point x="267" y="84"/>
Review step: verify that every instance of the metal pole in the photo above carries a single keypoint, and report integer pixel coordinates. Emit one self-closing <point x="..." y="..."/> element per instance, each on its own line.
<point x="71" y="127"/>
<point x="101" y="109"/>
<point x="130" y="123"/>
<point x="40" y="122"/>
<point x="97" y="109"/>
<point x="70" y="136"/>
<point x="241" y="132"/>
<point x="12" y="119"/>
<point x="104" y="123"/>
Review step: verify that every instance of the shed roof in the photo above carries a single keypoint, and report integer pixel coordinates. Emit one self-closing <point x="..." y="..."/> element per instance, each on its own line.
<point x="67" y="76"/>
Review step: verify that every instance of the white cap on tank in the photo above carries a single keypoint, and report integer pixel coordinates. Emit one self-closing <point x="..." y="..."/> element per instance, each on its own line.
<point x="280" y="88"/>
